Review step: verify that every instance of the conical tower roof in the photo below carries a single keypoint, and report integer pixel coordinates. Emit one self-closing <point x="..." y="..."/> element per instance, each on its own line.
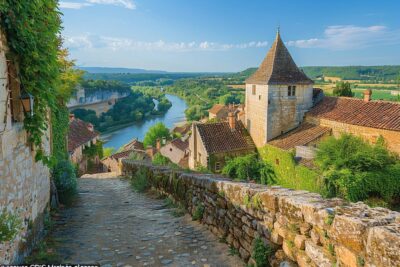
<point x="278" y="67"/>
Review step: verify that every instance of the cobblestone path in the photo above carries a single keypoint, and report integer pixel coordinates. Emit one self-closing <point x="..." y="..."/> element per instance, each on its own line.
<point x="111" y="225"/>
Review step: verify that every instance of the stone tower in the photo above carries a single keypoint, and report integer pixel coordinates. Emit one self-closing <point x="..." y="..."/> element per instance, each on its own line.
<point x="277" y="95"/>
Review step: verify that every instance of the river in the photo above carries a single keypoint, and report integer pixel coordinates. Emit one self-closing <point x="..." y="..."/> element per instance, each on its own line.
<point x="175" y="115"/>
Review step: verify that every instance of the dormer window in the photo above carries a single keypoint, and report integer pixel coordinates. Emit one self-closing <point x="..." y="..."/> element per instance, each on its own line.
<point x="253" y="89"/>
<point x="291" y="90"/>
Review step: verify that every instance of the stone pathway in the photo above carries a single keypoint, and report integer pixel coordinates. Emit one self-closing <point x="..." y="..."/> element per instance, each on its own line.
<point x="111" y="225"/>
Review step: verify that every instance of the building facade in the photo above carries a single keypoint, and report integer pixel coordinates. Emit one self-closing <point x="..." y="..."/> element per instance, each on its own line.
<point x="24" y="183"/>
<point x="278" y="95"/>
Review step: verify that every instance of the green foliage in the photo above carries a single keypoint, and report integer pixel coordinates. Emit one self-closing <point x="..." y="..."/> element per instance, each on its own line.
<point x="249" y="167"/>
<point x="163" y="105"/>
<point x="159" y="159"/>
<point x="360" y="261"/>
<point x="136" y="156"/>
<point x="64" y="175"/>
<point x="331" y="249"/>
<point x="198" y="212"/>
<point x="139" y="181"/>
<point x="32" y="30"/>
<point x="108" y="151"/>
<point x="177" y="209"/>
<point x="261" y="253"/>
<point x="343" y="89"/>
<point x="356" y="170"/>
<point x="288" y="173"/>
<point x="10" y="225"/>
<point x="93" y="87"/>
<point x="157" y="131"/>
<point x="43" y="253"/>
<point x="94" y="150"/>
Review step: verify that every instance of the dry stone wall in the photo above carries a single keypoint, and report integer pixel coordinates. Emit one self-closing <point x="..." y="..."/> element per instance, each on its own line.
<point x="303" y="228"/>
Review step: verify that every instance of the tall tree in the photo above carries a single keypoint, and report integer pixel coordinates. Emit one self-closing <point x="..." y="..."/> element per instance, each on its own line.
<point x="343" y="89"/>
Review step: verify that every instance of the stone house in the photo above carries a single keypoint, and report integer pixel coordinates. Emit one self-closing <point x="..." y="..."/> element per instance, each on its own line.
<point x="24" y="183"/>
<point x="81" y="135"/>
<point x="211" y="143"/>
<point x="218" y="112"/>
<point x="177" y="151"/>
<point x="278" y="95"/>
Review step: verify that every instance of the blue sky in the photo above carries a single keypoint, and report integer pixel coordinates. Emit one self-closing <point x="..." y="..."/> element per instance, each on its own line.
<point x="229" y="35"/>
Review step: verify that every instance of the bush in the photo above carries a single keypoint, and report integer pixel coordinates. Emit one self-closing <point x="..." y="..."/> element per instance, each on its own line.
<point x="261" y="253"/>
<point x="157" y="131"/>
<point x="356" y="170"/>
<point x="198" y="212"/>
<point x="139" y="181"/>
<point x="343" y="89"/>
<point x="10" y="225"/>
<point x="64" y="175"/>
<point x="249" y="167"/>
<point x="159" y="159"/>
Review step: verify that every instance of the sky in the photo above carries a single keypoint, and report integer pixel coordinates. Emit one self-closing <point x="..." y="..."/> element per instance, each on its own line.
<point x="229" y="35"/>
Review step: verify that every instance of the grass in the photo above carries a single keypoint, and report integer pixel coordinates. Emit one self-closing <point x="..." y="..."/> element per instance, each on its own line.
<point x="139" y="181"/>
<point x="177" y="209"/>
<point x="198" y="213"/>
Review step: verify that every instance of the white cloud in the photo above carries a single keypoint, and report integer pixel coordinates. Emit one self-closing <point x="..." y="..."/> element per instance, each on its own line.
<point x="112" y="43"/>
<point x="124" y="3"/>
<point x="346" y="37"/>
<point x="72" y="5"/>
<point x="129" y="4"/>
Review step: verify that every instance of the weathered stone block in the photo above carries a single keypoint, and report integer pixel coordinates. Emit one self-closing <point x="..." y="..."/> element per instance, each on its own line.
<point x="299" y="241"/>
<point x="383" y="245"/>
<point x="317" y="255"/>
<point x="345" y="257"/>
<point x="289" y="249"/>
<point x="276" y="238"/>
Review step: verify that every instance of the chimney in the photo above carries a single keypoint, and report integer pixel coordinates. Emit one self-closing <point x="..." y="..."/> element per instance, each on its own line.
<point x="71" y="117"/>
<point x="158" y="144"/>
<point x="150" y="151"/>
<point x="232" y="121"/>
<point x="367" y="95"/>
<point x="90" y="127"/>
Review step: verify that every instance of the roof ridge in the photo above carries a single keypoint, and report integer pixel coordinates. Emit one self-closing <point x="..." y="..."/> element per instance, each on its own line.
<point x="371" y="101"/>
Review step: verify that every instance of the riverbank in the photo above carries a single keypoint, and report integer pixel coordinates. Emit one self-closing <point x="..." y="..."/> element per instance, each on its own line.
<point x="122" y="135"/>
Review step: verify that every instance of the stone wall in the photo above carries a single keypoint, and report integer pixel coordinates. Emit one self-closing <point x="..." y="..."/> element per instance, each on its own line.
<point x="24" y="183"/>
<point x="302" y="227"/>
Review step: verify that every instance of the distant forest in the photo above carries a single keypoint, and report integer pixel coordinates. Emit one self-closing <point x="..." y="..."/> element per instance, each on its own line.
<point x="365" y="73"/>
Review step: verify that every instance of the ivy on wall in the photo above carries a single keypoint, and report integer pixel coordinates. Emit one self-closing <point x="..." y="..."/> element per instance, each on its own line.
<point x="32" y="29"/>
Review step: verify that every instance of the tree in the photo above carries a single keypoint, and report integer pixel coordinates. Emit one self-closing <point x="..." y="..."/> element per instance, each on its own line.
<point x="343" y="89"/>
<point x="157" y="131"/>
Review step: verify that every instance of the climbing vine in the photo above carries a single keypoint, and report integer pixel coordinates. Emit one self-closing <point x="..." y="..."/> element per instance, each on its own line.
<point x="32" y="29"/>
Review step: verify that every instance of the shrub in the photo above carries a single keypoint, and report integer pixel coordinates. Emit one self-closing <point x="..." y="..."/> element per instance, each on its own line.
<point x="261" y="253"/>
<point x="356" y="170"/>
<point x="64" y="175"/>
<point x="139" y="181"/>
<point x="159" y="159"/>
<point x="10" y="225"/>
<point x="249" y="167"/>
<point x="157" y="131"/>
<point x="198" y="212"/>
<point x="343" y="89"/>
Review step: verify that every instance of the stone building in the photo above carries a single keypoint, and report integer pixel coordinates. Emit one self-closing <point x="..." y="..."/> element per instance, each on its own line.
<point x="278" y="95"/>
<point x="24" y="183"/>
<point x="218" y="112"/>
<point x="177" y="151"/>
<point x="81" y="135"/>
<point x="211" y="143"/>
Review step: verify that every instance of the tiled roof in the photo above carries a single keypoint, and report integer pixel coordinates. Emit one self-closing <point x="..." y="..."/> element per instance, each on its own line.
<point x="217" y="108"/>
<point x="134" y="144"/>
<point x="300" y="136"/>
<point x="181" y="145"/>
<point x="182" y="129"/>
<point x="218" y="137"/>
<point x="375" y="114"/>
<point x="278" y="67"/>
<point x="79" y="134"/>
<point x="126" y="153"/>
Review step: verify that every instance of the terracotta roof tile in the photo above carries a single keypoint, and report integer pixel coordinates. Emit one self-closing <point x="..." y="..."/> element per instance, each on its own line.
<point x="278" y="67"/>
<point x="79" y="134"/>
<point x="182" y="129"/>
<point x="217" y="108"/>
<point x="218" y="137"/>
<point x="126" y="153"/>
<point x="181" y="145"/>
<point x="134" y="144"/>
<point x="375" y="114"/>
<point x="300" y="136"/>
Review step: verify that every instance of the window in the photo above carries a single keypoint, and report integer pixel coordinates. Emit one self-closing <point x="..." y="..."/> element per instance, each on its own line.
<point x="259" y="97"/>
<point x="291" y="90"/>
<point x="14" y="93"/>
<point x="217" y="166"/>
<point x="253" y="89"/>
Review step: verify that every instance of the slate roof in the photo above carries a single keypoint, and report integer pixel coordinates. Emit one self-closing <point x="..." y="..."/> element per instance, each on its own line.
<point x="278" y="67"/>
<point x="79" y="134"/>
<point x="374" y="114"/>
<point x="218" y="137"/>
<point x="300" y="136"/>
<point x="217" y="108"/>
<point x="181" y="145"/>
